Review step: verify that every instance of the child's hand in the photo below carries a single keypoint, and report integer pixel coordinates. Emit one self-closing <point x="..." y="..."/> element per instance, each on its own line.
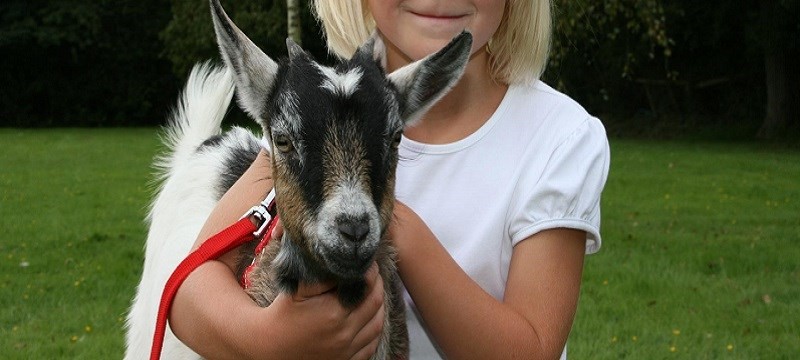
<point x="332" y="331"/>
<point x="321" y="328"/>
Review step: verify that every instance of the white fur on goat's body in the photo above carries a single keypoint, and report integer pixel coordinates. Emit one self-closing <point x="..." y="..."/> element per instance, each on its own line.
<point x="185" y="199"/>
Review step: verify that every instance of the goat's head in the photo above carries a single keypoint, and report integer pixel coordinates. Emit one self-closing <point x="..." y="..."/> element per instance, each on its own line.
<point x="334" y="133"/>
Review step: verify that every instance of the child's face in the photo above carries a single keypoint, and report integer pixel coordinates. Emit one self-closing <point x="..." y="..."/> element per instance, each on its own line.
<point x="413" y="29"/>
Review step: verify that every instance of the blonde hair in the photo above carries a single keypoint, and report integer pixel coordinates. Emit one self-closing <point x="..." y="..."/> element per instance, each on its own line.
<point x="518" y="50"/>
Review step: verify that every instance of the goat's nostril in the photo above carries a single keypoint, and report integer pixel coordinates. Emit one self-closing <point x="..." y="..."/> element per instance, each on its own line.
<point x="354" y="230"/>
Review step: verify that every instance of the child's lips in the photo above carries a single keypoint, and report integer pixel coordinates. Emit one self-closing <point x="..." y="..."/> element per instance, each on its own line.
<point x="443" y="23"/>
<point x="438" y="16"/>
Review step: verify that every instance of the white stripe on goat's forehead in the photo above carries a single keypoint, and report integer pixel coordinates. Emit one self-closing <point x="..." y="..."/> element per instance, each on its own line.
<point x="344" y="84"/>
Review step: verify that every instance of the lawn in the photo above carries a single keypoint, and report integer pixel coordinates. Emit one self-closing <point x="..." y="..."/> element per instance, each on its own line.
<point x="71" y="239"/>
<point x="700" y="257"/>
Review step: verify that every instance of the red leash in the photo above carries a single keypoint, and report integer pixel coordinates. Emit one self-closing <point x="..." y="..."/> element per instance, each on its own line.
<point x="237" y="234"/>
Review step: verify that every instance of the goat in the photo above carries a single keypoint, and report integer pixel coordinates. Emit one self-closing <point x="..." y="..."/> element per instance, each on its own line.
<point x="332" y="134"/>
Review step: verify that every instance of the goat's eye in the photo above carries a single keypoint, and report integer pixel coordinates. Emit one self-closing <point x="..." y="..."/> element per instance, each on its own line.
<point x="283" y="144"/>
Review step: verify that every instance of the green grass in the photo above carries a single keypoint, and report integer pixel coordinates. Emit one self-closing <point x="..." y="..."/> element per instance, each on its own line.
<point x="71" y="239"/>
<point x="700" y="256"/>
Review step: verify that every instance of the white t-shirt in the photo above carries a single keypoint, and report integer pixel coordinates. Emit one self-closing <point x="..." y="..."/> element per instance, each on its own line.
<point x="540" y="162"/>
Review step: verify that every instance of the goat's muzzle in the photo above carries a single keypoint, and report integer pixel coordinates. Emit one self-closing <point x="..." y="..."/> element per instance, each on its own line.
<point x="351" y="251"/>
<point x="348" y="234"/>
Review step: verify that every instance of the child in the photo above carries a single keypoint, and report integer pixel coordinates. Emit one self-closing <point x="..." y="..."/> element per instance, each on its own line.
<point x="498" y="193"/>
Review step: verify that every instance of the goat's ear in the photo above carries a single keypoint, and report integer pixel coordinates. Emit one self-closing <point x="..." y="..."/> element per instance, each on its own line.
<point x="422" y="83"/>
<point x="374" y="48"/>
<point x="293" y="49"/>
<point x="255" y="72"/>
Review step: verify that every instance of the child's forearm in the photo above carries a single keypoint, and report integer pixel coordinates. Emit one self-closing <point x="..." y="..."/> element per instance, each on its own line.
<point x="213" y="316"/>
<point x="211" y="313"/>
<point x="466" y="321"/>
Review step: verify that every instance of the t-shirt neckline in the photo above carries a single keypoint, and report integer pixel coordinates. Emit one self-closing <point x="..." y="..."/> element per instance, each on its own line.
<point x="471" y="139"/>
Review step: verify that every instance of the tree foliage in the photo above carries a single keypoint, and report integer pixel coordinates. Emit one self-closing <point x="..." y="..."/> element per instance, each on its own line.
<point x="635" y="30"/>
<point x="189" y="36"/>
<point x="79" y="62"/>
<point x="684" y="63"/>
<point x="600" y="47"/>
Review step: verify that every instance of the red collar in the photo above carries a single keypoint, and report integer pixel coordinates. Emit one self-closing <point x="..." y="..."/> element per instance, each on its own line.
<point x="267" y="214"/>
<point x="262" y="244"/>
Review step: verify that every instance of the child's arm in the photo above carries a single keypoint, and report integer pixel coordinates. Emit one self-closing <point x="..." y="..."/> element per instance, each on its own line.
<point x="534" y="319"/>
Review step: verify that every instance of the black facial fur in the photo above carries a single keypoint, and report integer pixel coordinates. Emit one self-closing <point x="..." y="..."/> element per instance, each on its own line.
<point x="363" y="113"/>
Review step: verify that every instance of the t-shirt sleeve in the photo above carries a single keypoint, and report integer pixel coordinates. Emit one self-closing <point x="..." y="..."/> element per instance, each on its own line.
<point x="565" y="193"/>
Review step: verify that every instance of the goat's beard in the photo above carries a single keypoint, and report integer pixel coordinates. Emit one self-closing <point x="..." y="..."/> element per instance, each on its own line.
<point x="294" y="263"/>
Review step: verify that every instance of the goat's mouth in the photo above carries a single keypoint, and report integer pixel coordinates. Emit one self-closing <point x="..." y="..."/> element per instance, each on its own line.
<point x="348" y="261"/>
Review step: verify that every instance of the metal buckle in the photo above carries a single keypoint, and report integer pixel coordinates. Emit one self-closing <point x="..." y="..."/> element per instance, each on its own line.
<point x="262" y="213"/>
